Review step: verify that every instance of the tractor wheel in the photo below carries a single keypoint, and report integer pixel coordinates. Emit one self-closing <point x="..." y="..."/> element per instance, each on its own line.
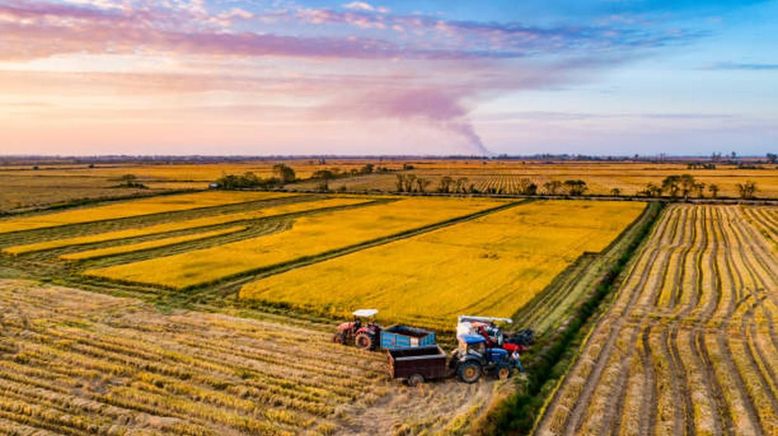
<point x="469" y="372"/>
<point x="339" y="338"/>
<point x="503" y="373"/>
<point x="364" y="341"/>
<point x="415" y="380"/>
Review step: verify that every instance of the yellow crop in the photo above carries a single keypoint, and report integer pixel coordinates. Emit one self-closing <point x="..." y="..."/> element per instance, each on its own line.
<point x="146" y="206"/>
<point x="183" y="225"/>
<point x="489" y="266"/>
<point x="309" y="236"/>
<point x="110" y="251"/>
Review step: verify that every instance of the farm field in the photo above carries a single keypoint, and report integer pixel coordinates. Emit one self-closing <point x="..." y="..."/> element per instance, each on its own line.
<point x="492" y="265"/>
<point x="22" y="187"/>
<point x="689" y="345"/>
<point x="75" y="362"/>
<point x="187" y="224"/>
<point x="503" y="177"/>
<point x="134" y="208"/>
<point x="306" y="237"/>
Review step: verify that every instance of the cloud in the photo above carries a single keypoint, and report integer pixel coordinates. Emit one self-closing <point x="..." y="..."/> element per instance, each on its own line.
<point x="742" y="66"/>
<point x="417" y="68"/>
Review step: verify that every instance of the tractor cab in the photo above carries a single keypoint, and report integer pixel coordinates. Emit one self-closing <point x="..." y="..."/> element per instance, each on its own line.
<point x="362" y="331"/>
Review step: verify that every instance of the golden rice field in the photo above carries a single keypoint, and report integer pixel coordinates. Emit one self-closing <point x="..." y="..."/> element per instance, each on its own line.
<point x="308" y="236"/>
<point x="75" y="362"/>
<point x="134" y="208"/>
<point x="689" y="345"/>
<point x="156" y="243"/>
<point x="492" y="265"/>
<point x="253" y="214"/>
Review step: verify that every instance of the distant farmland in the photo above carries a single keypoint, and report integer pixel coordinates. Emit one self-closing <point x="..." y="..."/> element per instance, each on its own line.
<point x="183" y="312"/>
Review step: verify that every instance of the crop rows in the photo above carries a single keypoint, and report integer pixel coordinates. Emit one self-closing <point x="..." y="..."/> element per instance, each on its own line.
<point x="73" y="362"/>
<point x="689" y="344"/>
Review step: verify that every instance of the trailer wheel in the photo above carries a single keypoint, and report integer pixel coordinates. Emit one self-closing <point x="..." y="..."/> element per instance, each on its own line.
<point x="364" y="341"/>
<point x="469" y="372"/>
<point x="415" y="380"/>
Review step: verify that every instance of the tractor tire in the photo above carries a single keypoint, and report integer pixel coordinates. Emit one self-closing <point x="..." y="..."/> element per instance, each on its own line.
<point x="503" y="373"/>
<point x="339" y="338"/>
<point x="364" y="341"/>
<point x="469" y="372"/>
<point x="415" y="380"/>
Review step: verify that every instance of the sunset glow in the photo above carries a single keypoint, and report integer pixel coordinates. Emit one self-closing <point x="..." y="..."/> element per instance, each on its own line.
<point x="308" y="77"/>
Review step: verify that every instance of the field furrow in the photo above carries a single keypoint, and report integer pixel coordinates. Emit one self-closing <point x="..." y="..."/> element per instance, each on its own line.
<point x="697" y="307"/>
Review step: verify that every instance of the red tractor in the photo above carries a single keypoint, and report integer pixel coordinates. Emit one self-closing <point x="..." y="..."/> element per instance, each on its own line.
<point x="363" y="332"/>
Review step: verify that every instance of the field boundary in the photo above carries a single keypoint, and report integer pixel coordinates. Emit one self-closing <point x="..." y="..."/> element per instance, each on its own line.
<point x="547" y="367"/>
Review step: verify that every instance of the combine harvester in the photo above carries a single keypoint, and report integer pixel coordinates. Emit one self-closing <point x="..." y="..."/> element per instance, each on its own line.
<point x="415" y="357"/>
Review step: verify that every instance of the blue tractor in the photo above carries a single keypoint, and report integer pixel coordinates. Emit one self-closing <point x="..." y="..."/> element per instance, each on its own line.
<point x="473" y="358"/>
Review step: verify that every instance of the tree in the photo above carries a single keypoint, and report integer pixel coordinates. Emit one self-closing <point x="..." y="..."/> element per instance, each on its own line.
<point x="445" y="184"/>
<point x="422" y="184"/>
<point x="324" y="177"/>
<point x="552" y="187"/>
<point x="575" y="187"/>
<point x="615" y="192"/>
<point x="747" y="189"/>
<point x="700" y="189"/>
<point x="526" y="187"/>
<point x="651" y="190"/>
<point x="410" y="181"/>
<point x="772" y="157"/>
<point x="460" y="184"/>
<point x="687" y="183"/>
<point x="400" y="182"/>
<point x="714" y="190"/>
<point x="671" y="185"/>
<point x="284" y="173"/>
<point x="367" y="169"/>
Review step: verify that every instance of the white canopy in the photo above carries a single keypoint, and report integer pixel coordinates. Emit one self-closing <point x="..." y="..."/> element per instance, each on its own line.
<point x="365" y="312"/>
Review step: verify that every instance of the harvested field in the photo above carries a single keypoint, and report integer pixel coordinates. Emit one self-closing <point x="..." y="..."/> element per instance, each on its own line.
<point x="492" y="265"/>
<point x="134" y="208"/>
<point x="505" y="177"/>
<point x="308" y="237"/>
<point x="75" y="362"/>
<point x="689" y="344"/>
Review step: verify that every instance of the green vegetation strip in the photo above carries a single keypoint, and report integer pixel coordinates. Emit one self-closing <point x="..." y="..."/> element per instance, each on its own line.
<point x="552" y="356"/>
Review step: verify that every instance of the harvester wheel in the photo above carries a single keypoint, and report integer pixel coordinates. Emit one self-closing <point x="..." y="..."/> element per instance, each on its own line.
<point x="469" y="372"/>
<point x="364" y="341"/>
<point x="415" y="380"/>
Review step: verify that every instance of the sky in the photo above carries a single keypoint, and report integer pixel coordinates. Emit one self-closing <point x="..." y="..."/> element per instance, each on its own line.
<point x="279" y="77"/>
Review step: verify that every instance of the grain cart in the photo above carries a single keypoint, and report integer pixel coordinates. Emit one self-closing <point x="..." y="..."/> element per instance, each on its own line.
<point x="366" y="334"/>
<point x="416" y="365"/>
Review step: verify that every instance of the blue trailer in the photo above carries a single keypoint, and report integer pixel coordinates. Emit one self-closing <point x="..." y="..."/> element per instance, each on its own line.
<point x="366" y="334"/>
<point x="400" y="337"/>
